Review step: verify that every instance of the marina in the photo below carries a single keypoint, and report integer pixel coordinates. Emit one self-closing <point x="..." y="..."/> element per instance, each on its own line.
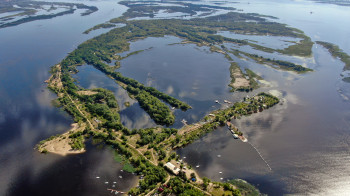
<point x="235" y="132"/>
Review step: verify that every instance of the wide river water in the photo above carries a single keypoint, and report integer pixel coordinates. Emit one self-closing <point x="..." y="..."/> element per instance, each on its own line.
<point x="298" y="147"/>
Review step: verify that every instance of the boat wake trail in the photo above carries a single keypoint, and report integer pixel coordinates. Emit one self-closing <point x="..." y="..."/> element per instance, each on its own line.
<point x="260" y="156"/>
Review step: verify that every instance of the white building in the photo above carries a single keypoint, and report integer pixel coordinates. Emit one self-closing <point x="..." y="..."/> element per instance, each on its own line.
<point x="172" y="168"/>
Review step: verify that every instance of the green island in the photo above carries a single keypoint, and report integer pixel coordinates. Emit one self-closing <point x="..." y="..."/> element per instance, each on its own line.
<point x="239" y="81"/>
<point x="100" y="26"/>
<point x="150" y="152"/>
<point x="237" y="77"/>
<point x="336" y="52"/>
<point x="30" y="8"/>
<point x="335" y="2"/>
<point x="142" y="9"/>
<point x="283" y="65"/>
<point x="147" y="152"/>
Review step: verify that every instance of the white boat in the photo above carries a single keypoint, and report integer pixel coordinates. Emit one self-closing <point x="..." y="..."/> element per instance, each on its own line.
<point x="244" y="139"/>
<point x="229" y="124"/>
<point x="235" y="136"/>
<point x="227" y="101"/>
<point x="216" y="101"/>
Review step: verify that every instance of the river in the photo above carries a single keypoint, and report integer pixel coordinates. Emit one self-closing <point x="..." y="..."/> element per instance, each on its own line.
<point x="27" y="116"/>
<point x="305" y="140"/>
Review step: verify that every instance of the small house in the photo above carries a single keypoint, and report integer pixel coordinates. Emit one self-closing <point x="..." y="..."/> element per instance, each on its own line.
<point x="172" y="168"/>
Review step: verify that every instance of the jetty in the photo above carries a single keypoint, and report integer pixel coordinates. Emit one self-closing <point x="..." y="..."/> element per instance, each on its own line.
<point x="116" y="191"/>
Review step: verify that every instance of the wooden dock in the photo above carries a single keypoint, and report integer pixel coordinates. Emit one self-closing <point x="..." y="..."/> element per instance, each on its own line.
<point x="116" y="191"/>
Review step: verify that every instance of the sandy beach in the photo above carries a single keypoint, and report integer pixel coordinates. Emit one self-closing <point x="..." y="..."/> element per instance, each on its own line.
<point x="60" y="144"/>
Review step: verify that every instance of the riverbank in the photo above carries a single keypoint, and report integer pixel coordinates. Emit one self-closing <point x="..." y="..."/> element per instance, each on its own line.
<point x="238" y="80"/>
<point x="61" y="144"/>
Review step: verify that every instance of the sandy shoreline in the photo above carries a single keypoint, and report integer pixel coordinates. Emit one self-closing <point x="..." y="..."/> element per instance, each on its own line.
<point x="238" y="79"/>
<point x="60" y="144"/>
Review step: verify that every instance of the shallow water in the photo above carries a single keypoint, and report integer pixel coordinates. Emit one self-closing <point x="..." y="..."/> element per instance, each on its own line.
<point x="276" y="42"/>
<point x="90" y="173"/>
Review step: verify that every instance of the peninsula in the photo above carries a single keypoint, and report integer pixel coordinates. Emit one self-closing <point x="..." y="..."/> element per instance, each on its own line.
<point x="150" y="151"/>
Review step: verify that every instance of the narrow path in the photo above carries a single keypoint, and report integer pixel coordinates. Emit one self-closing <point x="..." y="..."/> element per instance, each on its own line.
<point x="137" y="150"/>
<point x="205" y="192"/>
<point x="154" y="159"/>
<point x="92" y="127"/>
<point x="70" y="98"/>
<point x="188" y="129"/>
<point x="151" y="192"/>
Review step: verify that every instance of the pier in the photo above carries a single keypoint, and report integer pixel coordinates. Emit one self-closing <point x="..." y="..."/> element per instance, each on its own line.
<point x="116" y="191"/>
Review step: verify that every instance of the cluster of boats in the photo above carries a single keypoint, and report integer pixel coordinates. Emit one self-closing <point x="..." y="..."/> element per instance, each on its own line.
<point x="231" y="127"/>
<point x="225" y="101"/>
<point x="233" y="130"/>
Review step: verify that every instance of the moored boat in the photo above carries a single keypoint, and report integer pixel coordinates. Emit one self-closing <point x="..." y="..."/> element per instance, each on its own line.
<point x="229" y="125"/>
<point x="243" y="138"/>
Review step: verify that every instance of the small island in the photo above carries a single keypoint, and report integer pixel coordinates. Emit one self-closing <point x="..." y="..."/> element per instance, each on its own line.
<point x="18" y="12"/>
<point x="336" y="52"/>
<point x="282" y="65"/>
